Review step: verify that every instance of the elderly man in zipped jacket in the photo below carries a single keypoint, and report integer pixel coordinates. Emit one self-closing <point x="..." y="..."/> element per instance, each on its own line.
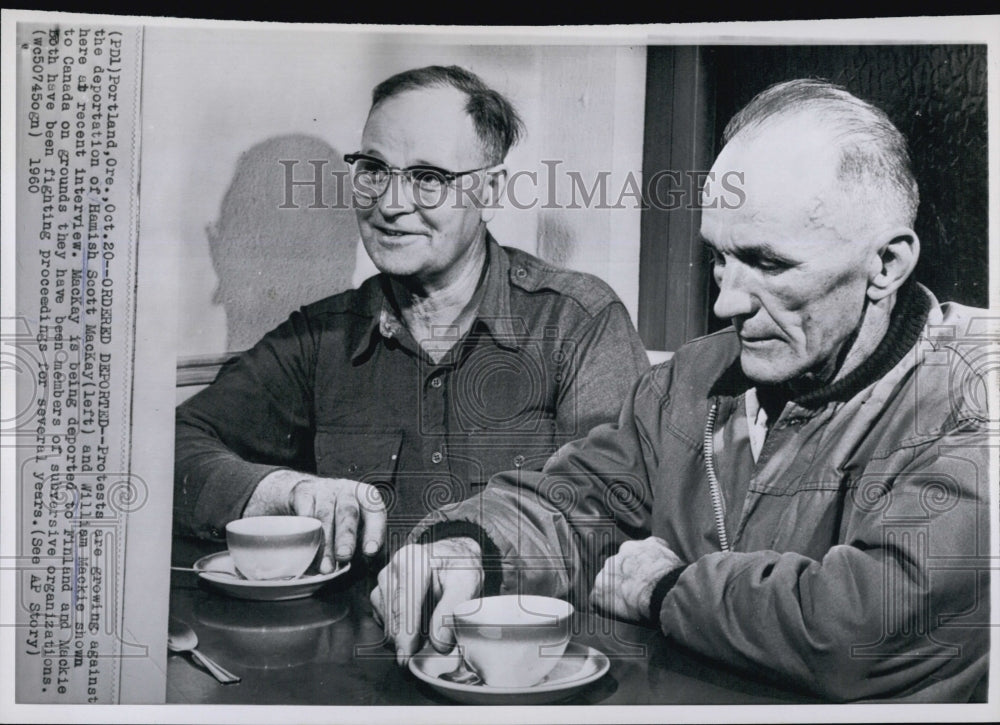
<point x="804" y="494"/>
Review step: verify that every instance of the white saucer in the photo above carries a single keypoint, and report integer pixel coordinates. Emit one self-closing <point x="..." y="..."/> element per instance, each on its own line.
<point x="218" y="569"/>
<point x="579" y="666"/>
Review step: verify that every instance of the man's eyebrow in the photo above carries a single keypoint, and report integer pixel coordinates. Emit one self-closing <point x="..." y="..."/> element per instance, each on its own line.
<point x="417" y="163"/>
<point x="424" y="162"/>
<point x="752" y="249"/>
<point x="764" y="250"/>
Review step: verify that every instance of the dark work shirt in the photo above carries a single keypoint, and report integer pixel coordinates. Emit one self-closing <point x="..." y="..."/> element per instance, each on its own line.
<point x="342" y="390"/>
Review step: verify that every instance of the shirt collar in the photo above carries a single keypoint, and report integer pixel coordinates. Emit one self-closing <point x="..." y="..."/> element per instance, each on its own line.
<point x="389" y="324"/>
<point x="375" y="303"/>
<point x="494" y="309"/>
<point x="494" y="306"/>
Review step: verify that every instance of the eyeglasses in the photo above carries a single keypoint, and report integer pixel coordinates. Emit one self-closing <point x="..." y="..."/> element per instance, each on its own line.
<point x="370" y="177"/>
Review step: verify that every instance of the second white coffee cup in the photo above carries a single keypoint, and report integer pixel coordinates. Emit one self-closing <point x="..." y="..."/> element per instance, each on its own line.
<point x="513" y="640"/>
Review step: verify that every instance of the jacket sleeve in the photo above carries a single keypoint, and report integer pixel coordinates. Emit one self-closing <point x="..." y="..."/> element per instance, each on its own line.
<point x="554" y="528"/>
<point x="608" y="359"/>
<point x="894" y="610"/>
<point x="254" y="419"/>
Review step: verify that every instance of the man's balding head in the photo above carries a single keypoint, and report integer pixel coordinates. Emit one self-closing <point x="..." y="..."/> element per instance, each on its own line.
<point x="874" y="162"/>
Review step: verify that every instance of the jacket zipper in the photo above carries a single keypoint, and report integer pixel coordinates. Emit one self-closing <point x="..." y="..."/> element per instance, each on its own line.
<point x="718" y="506"/>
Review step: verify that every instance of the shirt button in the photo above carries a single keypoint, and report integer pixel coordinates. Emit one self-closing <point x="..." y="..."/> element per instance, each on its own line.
<point x="520" y="273"/>
<point x="436" y="382"/>
<point x="436" y="457"/>
<point x="518" y="461"/>
<point x="353" y="468"/>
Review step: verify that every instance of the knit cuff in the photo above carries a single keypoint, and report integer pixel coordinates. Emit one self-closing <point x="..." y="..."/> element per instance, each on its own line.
<point x="492" y="561"/>
<point x="660" y="592"/>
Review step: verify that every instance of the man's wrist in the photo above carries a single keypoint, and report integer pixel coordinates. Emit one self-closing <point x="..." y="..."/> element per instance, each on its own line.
<point x="462" y="546"/>
<point x="272" y="493"/>
<point x="490" y="557"/>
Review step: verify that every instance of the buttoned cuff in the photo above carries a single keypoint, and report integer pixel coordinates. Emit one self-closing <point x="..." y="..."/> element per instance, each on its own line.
<point x="660" y="592"/>
<point x="491" y="560"/>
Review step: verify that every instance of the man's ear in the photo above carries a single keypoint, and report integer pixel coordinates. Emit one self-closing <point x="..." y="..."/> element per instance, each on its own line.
<point x="496" y="182"/>
<point x="892" y="262"/>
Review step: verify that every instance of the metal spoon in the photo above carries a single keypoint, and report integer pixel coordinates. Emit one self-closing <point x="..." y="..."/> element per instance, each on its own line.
<point x="234" y="575"/>
<point x="181" y="638"/>
<point x="462" y="675"/>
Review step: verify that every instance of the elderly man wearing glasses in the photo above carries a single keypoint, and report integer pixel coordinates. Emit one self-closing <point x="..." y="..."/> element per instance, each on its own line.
<point x="462" y="358"/>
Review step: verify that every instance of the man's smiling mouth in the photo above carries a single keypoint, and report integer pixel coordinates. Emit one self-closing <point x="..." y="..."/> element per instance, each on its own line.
<point x="392" y="233"/>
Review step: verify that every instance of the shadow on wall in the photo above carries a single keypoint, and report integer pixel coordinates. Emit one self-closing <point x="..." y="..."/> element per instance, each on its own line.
<point x="271" y="260"/>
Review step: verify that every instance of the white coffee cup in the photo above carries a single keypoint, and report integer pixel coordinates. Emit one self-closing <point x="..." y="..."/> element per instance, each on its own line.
<point x="512" y="640"/>
<point x="273" y="547"/>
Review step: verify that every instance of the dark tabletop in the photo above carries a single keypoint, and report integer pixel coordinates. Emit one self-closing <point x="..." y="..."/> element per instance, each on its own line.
<point x="327" y="650"/>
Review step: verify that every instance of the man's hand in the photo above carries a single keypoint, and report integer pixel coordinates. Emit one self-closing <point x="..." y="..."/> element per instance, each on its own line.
<point x="625" y="584"/>
<point x="450" y="570"/>
<point x="341" y="504"/>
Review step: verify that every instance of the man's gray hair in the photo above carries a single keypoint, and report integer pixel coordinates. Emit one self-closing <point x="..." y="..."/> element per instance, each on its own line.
<point x="874" y="154"/>
<point x="494" y="117"/>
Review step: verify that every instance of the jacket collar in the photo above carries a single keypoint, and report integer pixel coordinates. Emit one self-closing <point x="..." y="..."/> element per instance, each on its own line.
<point x="909" y="315"/>
<point x="493" y="314"/>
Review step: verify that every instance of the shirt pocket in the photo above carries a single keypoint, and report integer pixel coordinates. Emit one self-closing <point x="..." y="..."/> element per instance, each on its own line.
<point x="365" y="455"/>
<point x="485" y="454"/>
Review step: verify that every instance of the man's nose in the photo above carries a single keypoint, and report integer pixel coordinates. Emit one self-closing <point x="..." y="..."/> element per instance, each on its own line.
<point x="397" y="198"/>
<point x="736" y="297"/>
